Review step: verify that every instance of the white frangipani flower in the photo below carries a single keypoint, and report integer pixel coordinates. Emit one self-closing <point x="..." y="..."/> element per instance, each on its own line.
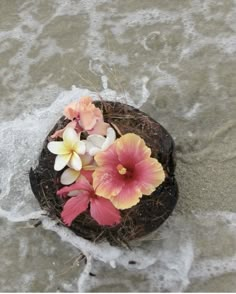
<point x="70" y="175"/>
<point x="97" y="143"/>
<point x="68" y="150"/>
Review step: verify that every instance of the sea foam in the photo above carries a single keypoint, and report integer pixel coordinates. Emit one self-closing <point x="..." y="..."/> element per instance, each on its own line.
<point x="167" y="260"/>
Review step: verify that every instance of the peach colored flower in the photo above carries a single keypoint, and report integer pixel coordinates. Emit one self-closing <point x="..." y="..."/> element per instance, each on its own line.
<point x="126" y="171"/>
<point x="85" y="116"/>
<point x="82" y="196"/>
<point x="89" y="116"/>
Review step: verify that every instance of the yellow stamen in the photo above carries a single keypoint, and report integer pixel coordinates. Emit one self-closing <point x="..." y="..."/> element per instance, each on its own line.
<point x="121" y="170"/>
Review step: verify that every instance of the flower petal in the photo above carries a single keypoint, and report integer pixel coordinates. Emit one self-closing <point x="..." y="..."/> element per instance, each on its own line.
<point x="107" y="182"/>
<point x="103" y="211"/>
<point x="129" y="196"/>
<point x="87" y="119"/>
<point x="70" y="137"/>
<point x="91" y="149"/>
<point x="108" y="157"/>
<point x="61" y="161"/>
<point x="75" y="161"/>
<point x="131" y="148"/>
<point x="74" y="207"/>
<point x="149" y="174"/>
<point x="94" y="144"/>
<point x="100" y="128"/>
<point x="96" y="140"/>
<point x="79" y="147"/>
<point x="82" y="184"/>
<point x="63" y="191"/>
<point x="87" y="174"/>
<point x="69" y="176"/>
<point x="58" y="148"/>
<point x="59" y="133"/>
<point x="111" y="136"/>
<point x="86" y="159"/>
<point x="74" y="193"/>
<point x="72" y="110"/>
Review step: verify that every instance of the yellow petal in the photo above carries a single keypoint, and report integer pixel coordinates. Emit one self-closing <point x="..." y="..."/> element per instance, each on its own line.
<point x="58" y="148"/>
<point x="132" y="146"/>
<point x="129" y="196"/>
<point x="70" y="137"/>
<point x="69" y="176"/>
<point x="150" y="175"/>
<point x="61" y="161"/>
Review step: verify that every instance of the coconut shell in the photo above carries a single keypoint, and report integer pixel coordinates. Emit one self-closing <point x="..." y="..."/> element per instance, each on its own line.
<point x="137" y="221"/>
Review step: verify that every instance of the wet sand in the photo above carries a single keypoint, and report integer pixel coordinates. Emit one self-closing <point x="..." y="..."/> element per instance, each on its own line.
<point x="176" y="61"/>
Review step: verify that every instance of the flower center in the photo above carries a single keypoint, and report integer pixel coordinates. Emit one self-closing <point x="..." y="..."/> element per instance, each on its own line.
<point x="121" y="169"/>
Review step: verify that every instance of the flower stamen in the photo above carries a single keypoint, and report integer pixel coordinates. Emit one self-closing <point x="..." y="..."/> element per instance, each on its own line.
<point x="121" y="169"/>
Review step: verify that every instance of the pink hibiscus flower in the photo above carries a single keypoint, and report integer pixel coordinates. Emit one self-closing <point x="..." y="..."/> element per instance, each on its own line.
<point x="83" y="197"/>
<point x="126" y="171"/>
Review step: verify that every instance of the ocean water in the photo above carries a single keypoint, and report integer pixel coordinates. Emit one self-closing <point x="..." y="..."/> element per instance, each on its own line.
<point x="176" y="61"/>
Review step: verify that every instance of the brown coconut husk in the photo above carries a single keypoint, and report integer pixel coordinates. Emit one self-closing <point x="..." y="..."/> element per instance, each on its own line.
<point x="137" y="221"/>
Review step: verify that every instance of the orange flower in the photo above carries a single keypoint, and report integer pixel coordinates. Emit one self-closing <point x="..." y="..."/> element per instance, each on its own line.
<point x="90" y="117"/>
<point x="126" y="171"/>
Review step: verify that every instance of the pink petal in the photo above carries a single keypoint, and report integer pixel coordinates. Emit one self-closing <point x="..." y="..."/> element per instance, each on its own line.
<point x="100" y="128"/>
<point x="131" y="149"/>
<point x="59" y="133"/>
<point x="87" y="174"/>
<point x="87" y="120"/>
<point x="149" y="174"/>
<point x="85" y="101"/>
<point x="74" y="207"/>
<point x="108" y="157"/>
<point x="71" y="111"/>
<point x="104" y="212"/>
<point x="83" y="184"/>
<point x="107" y="182"/>
<point x="65" y="190"/>
<point x="129" y="196"/>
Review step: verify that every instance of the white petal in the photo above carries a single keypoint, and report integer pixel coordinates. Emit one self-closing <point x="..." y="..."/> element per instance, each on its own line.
<point x="61" y="161"/>
<point x="75" y="161"/>
<point x="70" y="137"/>
<point x="57" y="148"/>
<point x="69" y="176"/>
<point x="74" y="193"/>
<point x="79" y="147"/>
<point x="86" y="159"/>
<point x="96" y="140"/>
<point x="91" y="149"/>
<point x="111" y="136"/>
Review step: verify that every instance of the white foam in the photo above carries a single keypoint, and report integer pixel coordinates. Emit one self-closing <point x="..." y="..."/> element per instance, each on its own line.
<point x="167" y="260"/>
<point x="175" y="257"/>
<point x="192" y="112"/>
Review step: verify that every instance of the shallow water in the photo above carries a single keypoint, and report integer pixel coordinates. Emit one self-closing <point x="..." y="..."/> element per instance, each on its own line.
<point x="173" y="59"/>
